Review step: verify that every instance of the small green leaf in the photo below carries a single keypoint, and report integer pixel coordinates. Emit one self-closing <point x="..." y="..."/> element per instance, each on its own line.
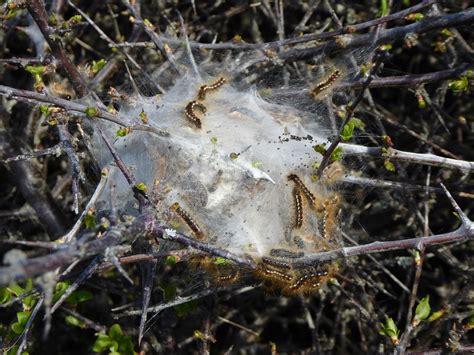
<point x="436" y="315"/>
<point x="141" y="186"/>
<point x="320" y="148"/>
<point x="389" y="165"/>
<point x="98" y="65"/>
<point x="144" y="117"/>
<point x="221" y="261"/>
<point x="389" y="328"/>
<point x="91" y="112"/>
<point x="171" y="260"/>
<point x="214" y="140"/>
<point x="422" y="311"/>
<point x="336" y="155"/>
<point x="5" y="295"/>
<point x="102" y="342"/>
<point x="459" y="85"/>
<point x="115" y="332"/>
<point x="123" y="131"/>
<point x="79" y="296"/>
<point x="73" y="321"/>
<point x="347" y="131"/>
<point x="257" y="164"/>
<point x="35" y="69"/>
<point x="89" y="221"/>
<point x="383" y="8"/>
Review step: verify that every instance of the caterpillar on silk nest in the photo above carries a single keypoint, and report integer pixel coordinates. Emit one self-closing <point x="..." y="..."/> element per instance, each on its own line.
<point x="235" y="166"/>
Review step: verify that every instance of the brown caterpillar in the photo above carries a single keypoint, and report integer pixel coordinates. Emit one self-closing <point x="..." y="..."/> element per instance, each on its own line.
<point x="189" y="112"/>
<point x="274" y="275"/>
<point x="300" y="185"/>
<point x="331" y="208"/>
<point x="303" y="280"/>
<point x="298" y="208"/>
<point x="203" y="89"/>
<point x="323" y="85"/>
<point x="188" y="220"/>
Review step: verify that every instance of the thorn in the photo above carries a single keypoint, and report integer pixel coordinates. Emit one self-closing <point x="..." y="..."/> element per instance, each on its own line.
<point x="110" y="255"/>
<point x="466" y="222"/>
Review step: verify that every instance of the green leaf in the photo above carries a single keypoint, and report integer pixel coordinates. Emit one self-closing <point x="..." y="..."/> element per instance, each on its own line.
<point x="101" y="343"/>
<point x="336" y="155"/>
<point x="89" y="221"/>
<point x="5" y="295"/>
<point x="141" y="186"/>
<point x="383" y="7"/>
<point x="389" y="328"/>
<point x="389" y="165"/>
<point x="171" y="260"/>
<point x="123" y="131"/>
<point x="221" y="261"/>
<point x="422" y="311"/>
<point x="459" y="85"/>
<point x="115" y="332"/>
<point x="19" y="326"/>
<point x="91" y="112"/>
<point x="79" y="296"/>
<point x="214" y="140"/>
<point x="59" y="290"/>
<point x="97" y="66"/>
<point x="347" y="131"/>
<point x="73" y="321"/>
<point x="320" y="148"/>
<point x="436" y="315"/>
<point x="36" y="70"/>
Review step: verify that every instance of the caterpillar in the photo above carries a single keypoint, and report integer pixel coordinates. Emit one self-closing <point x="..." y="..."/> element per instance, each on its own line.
<point x="300" y="184"/>
<point x="298" y="208"/>
<point x="303" y="280"/>
<point x="188" y="220"/>
<point x="276" y="263"/>
<point x="189" y="112"/>
<point x="274" y="274"/>
<point x="323" y="85"/>
<point x="203" y="89"/>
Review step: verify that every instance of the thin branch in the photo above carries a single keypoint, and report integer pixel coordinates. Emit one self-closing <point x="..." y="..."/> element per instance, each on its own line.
<point x="417" y="158"/>
<point x="385" y="36"/>
<point x="37" y="98"/>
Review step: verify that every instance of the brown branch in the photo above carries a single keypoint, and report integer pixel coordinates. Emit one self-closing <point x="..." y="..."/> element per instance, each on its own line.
<point x="38" y="12"/>
<point x="304" y="38"/>
<point x="385" y="36"/>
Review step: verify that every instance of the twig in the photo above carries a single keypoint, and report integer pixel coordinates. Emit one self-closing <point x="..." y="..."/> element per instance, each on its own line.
<point x="29" y="323"/>
<point x="385" y="36"/>
<point x="38" y="12"/>
<point x="161" y="307"/>
<point x="67" y="238"/>
<point x="417" y="158"/>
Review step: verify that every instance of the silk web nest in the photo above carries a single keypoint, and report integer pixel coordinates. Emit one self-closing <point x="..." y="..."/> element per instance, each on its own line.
<point x="231" y="160"/>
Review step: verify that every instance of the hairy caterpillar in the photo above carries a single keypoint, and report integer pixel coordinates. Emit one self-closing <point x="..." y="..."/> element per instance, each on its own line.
<point x="189" y="112"/>
<point x="325" y="84"/>
<point x="205" y="88"/>
<point x="188" y="220"/>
